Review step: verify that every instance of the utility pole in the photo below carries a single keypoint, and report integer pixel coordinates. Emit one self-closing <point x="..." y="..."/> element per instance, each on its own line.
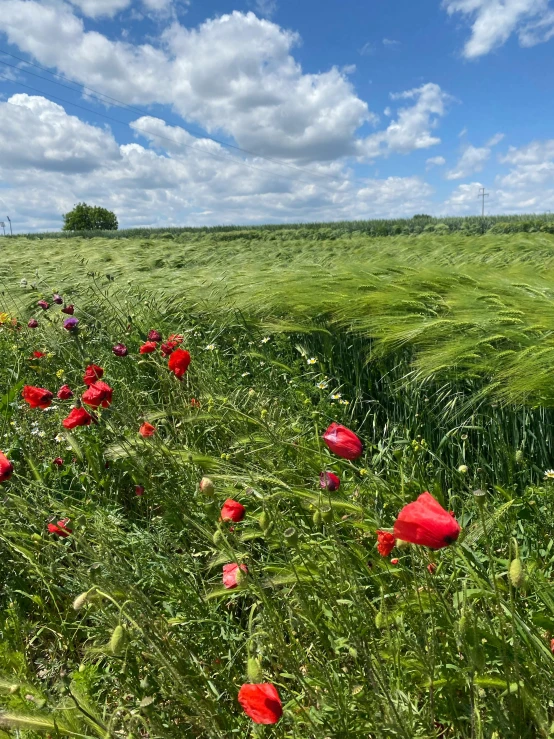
<point x="483" y="195"/>
<point x="10" y="222"/>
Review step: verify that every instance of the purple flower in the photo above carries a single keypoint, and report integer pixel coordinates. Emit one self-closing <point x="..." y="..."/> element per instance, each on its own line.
<point x="43" y="304"/>
<point x="120" y="350"/>
<point x="57" y="299"/>
<point x="70" y="324"/>
<point x="33" y="323"/>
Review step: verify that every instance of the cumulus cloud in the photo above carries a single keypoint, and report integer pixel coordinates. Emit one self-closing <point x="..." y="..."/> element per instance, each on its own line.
<point x="233" y="74"/>
<point x="435" y="162"/>
<point x="101" y="8"/>
<point x="473" y="159"/>
<point x="494" y="21"/>
<point x="413" y="126"/>
<point x="463" y="200"/>
<point x="171" y="178"/>
<point x="37" y="133"/>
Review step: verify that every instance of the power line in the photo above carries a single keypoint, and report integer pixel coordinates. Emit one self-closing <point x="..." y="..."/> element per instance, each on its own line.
<point x="120" y="104"/>
<point x="167" y="138"/>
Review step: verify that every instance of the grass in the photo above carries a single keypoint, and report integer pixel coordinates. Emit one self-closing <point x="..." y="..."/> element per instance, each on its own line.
<point x="435" y="349"/>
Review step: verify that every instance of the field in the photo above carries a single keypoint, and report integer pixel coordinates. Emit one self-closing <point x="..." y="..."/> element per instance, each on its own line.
<point x="433" y="343"/>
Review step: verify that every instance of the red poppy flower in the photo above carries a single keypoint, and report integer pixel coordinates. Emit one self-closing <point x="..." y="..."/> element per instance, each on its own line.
<point x="68" y="309"/>
<point x="65" y="392"/>
<point x="394" y="561"/>
<point x="43" y="304"/>
<point x="98" y="394"/>
<point x="154" y="335"/>
<point x="77" y="417"/>
<point x="426" y="522"/>
<point x="232" y="511"/>
<point x="176" y="339"/>
<point x="194" y="403"/>
<point x="60" y="528"/>
<point x="261" y="702"/>
<point x="148" y="348"/>
<point x="552" y="646"/>
<point x="147" y="430"/>
<point x="38" y="355"/>
<point x="329" y="481"/>
<point x="37" y="397"/>
<point x="385" y="543"/>
<point x="230" y="573"/>
<point x="168" y="347"/>
<point x="33" y="323"/>
<point x="120" y="350"/>
<point x="92" y="373"/>
<point x="139" y="490"/>
<point x="58" y="462"/>
<point x="343" y="442"/>
<point x="6" y="468"/>
<point x="179" y="362"/>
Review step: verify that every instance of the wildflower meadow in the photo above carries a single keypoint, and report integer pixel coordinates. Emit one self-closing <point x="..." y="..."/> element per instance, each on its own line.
<point x="300" y="489"/>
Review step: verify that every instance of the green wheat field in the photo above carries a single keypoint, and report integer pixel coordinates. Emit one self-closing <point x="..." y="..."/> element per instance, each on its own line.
<point x="432" y="341"/>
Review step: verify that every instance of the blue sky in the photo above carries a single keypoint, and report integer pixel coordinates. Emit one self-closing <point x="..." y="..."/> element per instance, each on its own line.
<point x="342" y="109"/>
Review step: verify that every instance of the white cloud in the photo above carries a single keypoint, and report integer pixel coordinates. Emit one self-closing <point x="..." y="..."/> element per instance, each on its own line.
<point x="435" y="162"/>
<point x="101" y="8"/>
<point x="57" y="160"/>
<point x="412" y="128"/>
<point x="494" y="21"/>
<point x="390" y="42"/>
<point x="464" y="200"/>
<point x="37" y="133"/>
<point x="265" y="8"/>
<point x="234" y="74"/>
<point x="473" y="159"/>
<point x="533" y="153"/>
<point x="367" y="49"/>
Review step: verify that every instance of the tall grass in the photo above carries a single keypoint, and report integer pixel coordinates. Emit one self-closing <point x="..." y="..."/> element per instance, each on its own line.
<point x="423" y="339"/>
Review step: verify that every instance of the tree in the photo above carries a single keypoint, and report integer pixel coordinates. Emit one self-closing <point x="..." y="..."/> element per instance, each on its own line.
<point x="85" y="217"/>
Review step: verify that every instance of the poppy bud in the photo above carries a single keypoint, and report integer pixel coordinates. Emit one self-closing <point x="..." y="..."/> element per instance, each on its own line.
<point x="379" y="620"/>
<point x="139" y="490"/>
<point x="317" y="517"/>
<point x="117" y="640"/>
<point x="33" y="323"/>
<point x="120" y="350"/>
<point x="65" y="392"/>
<point x="431" y="568"/>
<point x="154" y="335"/>
<point x="291" y="536"/>
<point x="58" y="462"/>
<point x="241" y="575"/>
<point x="329" y="481"/>
<point x="520" y="457"/>
<point x="516" y="574"/>
<point x="327" y="514"/>
<point x="68" y="310"/>
<point x="264" y="520"/>
<point x="217" y="537"/>
<point x="394" y="561"/>
<point x="206" y="486"/>
<point x="254" y="670"/>
<point x="57" y="299"/>
<point x="80" y="600"/>
<point x="385" y="543"/>
<point x="43" y="304"/>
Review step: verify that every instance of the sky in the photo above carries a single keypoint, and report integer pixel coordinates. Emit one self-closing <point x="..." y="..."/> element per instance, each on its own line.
<point x="189" y="112"/>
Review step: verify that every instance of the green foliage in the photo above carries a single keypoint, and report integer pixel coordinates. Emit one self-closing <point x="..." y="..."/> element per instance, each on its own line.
<point x="85" y="217"/>
<point x="435" y="349"/>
